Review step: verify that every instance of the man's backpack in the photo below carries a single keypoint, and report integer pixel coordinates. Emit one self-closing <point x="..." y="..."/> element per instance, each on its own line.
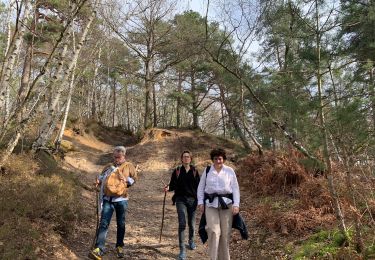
<point x="113" y="185"/>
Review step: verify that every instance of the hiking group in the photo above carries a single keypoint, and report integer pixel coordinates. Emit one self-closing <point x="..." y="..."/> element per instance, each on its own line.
<point x="216" y="194"/>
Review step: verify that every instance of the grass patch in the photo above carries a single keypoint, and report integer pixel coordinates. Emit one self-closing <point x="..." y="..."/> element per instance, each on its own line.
<point x="370" y="252"/>
<point x="33" y="204"/>
<point x="18" y="239"/>
<point x="321" y="244"/>
<point x="324" y="244"/>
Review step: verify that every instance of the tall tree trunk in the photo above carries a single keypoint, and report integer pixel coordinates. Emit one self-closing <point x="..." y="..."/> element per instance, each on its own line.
<point x="14" y="50"/>
<point x="178" y="101"/>
<point x="6" y="51"/>
<point x="99" y="106"/>
<point x="155" y="111"/>
<point x="94" y="91"/>
<point x="50" y="113"/>
<point x="234" y="120"/>
<point x="242" y="105"/>
<point x="372" y="95"/>
<point x="93" y="112"/>
<point x="336" y="99"/>
<point x="194" y="96"/>
<point x="23" y="92"/>
<point x="154" y="103"/>
<point x="9" y="28"/>
<point x="148" y="86"/>
<point x="359" y="245"/>
<point x="4" y="64"/>
<point x="326" y="154"/>
<point x="252" y="137"/>
<point x="127" y="108"/>
<point x="19" y="131"/>
<point x="49" y="90"/>
<point x="114" y="102"/>
<point x="223" y="118"/>
<point x="25" y="78"/>
<point x="66" y="113"/>
<point x="132" y="115"/>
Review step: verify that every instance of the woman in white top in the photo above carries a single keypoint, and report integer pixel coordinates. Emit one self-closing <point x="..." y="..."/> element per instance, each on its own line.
<point x="219" y="197"/>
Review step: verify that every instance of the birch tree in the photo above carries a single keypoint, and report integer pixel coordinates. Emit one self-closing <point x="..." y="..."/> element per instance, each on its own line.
<point x="12" y="51"/>
<point x="50" y="113"/>
<point x="18" y="131"/>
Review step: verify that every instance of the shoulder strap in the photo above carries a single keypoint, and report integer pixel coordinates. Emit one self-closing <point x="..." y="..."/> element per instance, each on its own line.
<point x="208" y="169"/>
<point x="205" y="181"/>
<point x="106" y="168"/>
<point x="178" y="168"/>
<point x="194" y="170"/>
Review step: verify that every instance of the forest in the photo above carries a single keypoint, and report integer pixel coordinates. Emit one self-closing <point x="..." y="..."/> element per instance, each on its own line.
<point x="272" y="75"/>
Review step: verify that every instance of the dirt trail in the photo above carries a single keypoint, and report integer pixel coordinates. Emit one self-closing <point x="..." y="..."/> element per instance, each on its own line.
<point x="145" y="204"/>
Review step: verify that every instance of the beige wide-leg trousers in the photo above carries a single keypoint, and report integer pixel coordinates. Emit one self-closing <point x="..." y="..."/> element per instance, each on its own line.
<point x="219" y="226"/>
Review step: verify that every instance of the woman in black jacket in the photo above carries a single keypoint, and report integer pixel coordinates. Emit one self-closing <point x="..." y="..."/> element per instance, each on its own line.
<point x="184" y="182"/>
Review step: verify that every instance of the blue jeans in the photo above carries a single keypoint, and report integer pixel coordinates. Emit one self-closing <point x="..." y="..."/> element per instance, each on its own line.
<point x="107" y="211"/>
<point x="185" y="207"/>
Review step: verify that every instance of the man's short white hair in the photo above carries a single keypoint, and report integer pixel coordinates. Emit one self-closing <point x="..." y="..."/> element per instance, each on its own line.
<point x="120" y="149"/>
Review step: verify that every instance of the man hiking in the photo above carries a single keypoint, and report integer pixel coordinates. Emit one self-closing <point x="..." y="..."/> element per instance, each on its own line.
<point x="184" y="182"/>
<point x="114" y="182"/>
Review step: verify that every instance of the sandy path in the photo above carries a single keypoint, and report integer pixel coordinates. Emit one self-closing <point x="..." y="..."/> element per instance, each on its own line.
<point x="145" y="208"/>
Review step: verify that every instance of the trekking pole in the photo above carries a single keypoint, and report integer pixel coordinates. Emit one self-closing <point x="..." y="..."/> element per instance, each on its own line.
<point x="98" y="209"/>
<point x="162" y="218"/>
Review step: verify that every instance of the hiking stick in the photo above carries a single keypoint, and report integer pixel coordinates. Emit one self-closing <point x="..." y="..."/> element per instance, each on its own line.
<point x="98" y="209"/>
<point x="162" y="218"/>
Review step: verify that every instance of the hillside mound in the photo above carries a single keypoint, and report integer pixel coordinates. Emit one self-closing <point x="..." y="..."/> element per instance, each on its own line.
<point x="100" y="133"/>
<point x="166" y="145"/>
<point x="156" y="134"/>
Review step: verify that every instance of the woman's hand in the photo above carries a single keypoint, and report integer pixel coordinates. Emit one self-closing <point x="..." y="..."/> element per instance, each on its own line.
<point x="235" y="210"/>
<point x="166" y="188"/>
<point x="201" y="208"/>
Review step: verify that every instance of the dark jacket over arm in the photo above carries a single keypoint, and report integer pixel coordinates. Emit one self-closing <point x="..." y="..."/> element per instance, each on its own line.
<point x="238" y="223"/>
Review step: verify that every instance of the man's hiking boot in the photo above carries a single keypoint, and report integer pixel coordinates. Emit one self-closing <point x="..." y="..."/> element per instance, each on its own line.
<point x="192" y="245"/>
<point x="96" y="254"/>
<point x="120" y="252"/>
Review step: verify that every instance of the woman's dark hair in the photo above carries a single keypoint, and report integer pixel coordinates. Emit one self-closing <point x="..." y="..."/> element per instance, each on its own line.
<point x="218" y="152"/>
<point x="186" y="151"/>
